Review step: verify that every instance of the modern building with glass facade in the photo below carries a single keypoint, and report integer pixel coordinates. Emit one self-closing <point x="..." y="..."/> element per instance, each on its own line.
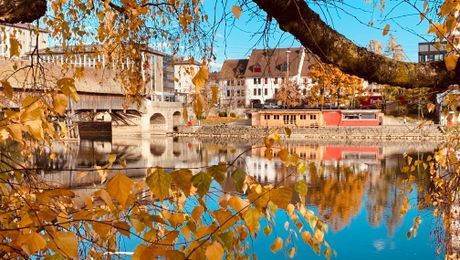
<point x="431" y="51"/>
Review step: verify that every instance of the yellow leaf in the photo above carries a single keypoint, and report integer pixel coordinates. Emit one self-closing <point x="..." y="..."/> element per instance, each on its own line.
<point x="183" y="179"/>
<point x="283" y="154"/>
<point x="430" y="107"/>
<point x="281" y="196"/>
<point x="251" y="218"/>
<point x="236" y="10"/>
<point x="101" y="229"/>
<point x="197" y="212"/>
<point x="15" y="46"/>
<point x="60" y="102"/>
<point x="201" y="78"/>
<point x="267" y="230"/>
<point x="112" y="158"/>
<point x="215" y="251"/>
<point x="277" y="245"/>
<point x="319" y="235"/>
<point x="35" y="128"/>
<point x="65" y="244"/>
<point x="122" y="227"/>
<point x="120" y="187"/>
<point x="67" y="86"/>
<point x="159" y="183"/>
<point x="32" y="243"/>
<point x="15" y="131"/>
<point x="451" y="62"/>
<point x="225" y="218"/>
<point x="306" y="236"/>
<point x="386" y="30"/>
<point x="237" y="203"/>
<point x="7" y="89"/>
<point x="290" y="209"/>
<point x="292" y="252"/>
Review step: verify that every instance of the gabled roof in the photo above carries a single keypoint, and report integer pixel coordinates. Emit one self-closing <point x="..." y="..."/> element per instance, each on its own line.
<point x="273" y="62"/>
<point x="232" y="69"/>
<point x="309" y="61"/>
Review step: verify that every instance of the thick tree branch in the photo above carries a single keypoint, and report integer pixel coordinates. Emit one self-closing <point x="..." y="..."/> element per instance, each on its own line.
<point x="21" y="11"/>
<point x="298" y="19"/>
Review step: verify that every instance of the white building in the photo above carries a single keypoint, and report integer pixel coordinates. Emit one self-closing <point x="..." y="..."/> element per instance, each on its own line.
<point x="256" y="80"/>
<point x="184" y="72"/>
<point x="232" y="83"/>
<point x="25" y="34"/>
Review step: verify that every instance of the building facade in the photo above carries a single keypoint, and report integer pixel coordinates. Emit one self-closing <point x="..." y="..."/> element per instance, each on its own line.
<point x="25" y="34"/>
<point x="256" y="80"/>
<point x="157" y="68"/>
<point x="316" y="118"/>
<point x="184" y="72"/>
<point x="232" y="83"/>
<point x="431" y="51"/>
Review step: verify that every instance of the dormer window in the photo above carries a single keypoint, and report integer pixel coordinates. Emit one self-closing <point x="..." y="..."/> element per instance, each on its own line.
<point x="257" y="68"/>
<point x="240" y="70"/>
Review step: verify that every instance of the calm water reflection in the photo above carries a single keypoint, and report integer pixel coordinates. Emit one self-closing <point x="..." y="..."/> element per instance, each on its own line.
<point x="356" y="189"/>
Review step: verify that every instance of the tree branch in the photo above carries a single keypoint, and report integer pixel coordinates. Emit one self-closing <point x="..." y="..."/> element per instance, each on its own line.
<point x="298" y="19"/>
<point x="21" y="11"/>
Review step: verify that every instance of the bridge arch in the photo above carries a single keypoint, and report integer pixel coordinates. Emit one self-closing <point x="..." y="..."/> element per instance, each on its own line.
<point x="158" y="122"/>
<point x="177" y="118"/>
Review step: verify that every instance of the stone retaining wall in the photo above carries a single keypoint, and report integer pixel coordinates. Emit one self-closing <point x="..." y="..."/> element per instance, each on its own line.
<point x="379" y="133"/>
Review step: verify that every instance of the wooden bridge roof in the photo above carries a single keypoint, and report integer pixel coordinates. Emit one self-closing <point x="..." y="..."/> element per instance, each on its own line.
<point x="100" y="81"/>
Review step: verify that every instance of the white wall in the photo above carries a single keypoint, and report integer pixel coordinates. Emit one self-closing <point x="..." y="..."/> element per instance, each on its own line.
<point x="183" y="76"/>
<point x="26" y="38"/>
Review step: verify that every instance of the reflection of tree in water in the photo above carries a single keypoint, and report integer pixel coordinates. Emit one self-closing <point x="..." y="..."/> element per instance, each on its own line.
<point x="385" y="200"/>
<point x="338" y="193"/>
<point x="337" y="196"/>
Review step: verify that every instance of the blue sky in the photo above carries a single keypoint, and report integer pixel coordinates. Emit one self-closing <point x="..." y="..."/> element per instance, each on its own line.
<point x="237" y="40"/>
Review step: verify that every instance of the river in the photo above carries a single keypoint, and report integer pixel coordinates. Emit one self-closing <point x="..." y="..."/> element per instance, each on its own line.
<point x="357" y="189"/>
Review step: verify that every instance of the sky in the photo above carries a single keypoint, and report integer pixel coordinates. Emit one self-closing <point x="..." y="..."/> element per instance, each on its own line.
<point x="351" y="19"/>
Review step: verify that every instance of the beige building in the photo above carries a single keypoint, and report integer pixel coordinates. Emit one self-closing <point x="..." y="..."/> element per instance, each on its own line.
<point x="287" y="118"/>
<point x="25" y="34"/>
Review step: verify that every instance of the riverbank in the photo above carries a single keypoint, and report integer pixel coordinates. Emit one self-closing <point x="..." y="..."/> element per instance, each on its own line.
<point x="397" y="133"/>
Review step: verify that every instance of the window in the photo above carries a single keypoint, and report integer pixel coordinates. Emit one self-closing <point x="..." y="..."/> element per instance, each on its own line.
<point x="293" y="119"/>
<point x="255" y="92"/>
<point x="266" y="92"/>
<point x="282" y="79"/>
<point x="255" y="81"/>
<point x="368" y="116"/>
<point x="286" y="119"/>
<point x="232" y="82"/>
<point x="277" y="117"/>
<point x="266" y="81"/>
<point x="228" y="92"/>
<point x="312" y="117"/>
<point x="259" y="92"/>
<point x="238" y="93"/>
<point x="276" y="80"/>
<point x="257" y="68"/>
<point x="303" y="117"/>
<point x="276" y="90"/>
<point x="267" y="117"/>
<point x="351" y="116"/>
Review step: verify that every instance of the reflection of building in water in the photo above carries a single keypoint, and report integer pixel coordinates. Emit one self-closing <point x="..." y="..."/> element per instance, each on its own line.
<point x="328" y="158"/>
<point x="139" y="154"/>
